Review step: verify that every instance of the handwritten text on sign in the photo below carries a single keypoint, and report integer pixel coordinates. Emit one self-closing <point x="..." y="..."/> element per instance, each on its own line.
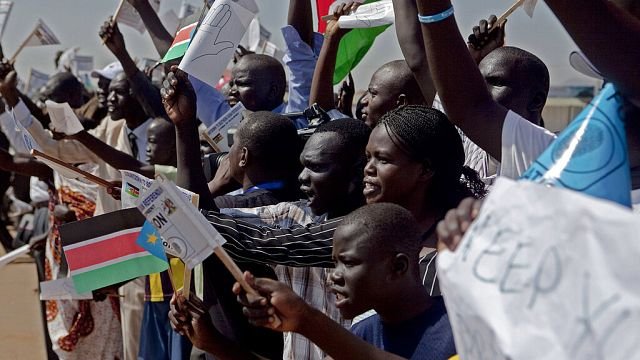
<point x="545" y="273"/>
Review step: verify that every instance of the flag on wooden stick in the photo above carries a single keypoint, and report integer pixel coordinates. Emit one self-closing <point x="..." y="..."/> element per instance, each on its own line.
<point x="102" y="250"/>
<point x="42" y="35"/>
<point x="5" y="11"/>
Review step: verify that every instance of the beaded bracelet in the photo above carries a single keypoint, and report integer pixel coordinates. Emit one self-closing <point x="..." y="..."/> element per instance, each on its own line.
<point x="428" y="19"/>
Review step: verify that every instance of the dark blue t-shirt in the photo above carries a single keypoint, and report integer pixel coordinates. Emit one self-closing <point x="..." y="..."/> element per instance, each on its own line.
<point x="427" y="336"/>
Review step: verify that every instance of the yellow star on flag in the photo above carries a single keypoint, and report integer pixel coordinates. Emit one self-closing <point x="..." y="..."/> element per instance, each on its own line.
<point x="152" y="238"/>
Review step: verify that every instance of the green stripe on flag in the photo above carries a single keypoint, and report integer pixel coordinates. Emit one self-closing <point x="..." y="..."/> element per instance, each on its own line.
<point x="353" y="47"/>
<point x="176" y="51"/>
<point x="116" y="273"/>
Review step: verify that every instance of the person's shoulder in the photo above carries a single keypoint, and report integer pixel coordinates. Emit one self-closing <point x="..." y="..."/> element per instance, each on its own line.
<point x="513" y="122"/>
<point x="367" y="326"/>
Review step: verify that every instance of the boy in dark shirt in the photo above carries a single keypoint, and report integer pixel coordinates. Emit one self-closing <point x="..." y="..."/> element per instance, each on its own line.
<point x="376" y="256"/>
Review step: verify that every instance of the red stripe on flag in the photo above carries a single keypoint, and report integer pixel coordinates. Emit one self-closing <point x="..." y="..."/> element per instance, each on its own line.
<point x="184" y="33"/>
<point x="322" y="7"/>
<point x="106" y="250"/>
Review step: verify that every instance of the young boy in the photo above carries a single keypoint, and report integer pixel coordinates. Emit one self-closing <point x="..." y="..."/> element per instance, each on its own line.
<point x="376" y="256"/>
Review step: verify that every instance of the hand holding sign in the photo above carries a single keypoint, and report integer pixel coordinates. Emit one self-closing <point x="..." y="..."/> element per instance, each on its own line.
<point x="179" y="98"/>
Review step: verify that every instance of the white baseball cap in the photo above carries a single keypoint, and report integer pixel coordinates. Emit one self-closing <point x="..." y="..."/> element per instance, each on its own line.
<point x="582" y="65"/>
<point x="110" y="71"/>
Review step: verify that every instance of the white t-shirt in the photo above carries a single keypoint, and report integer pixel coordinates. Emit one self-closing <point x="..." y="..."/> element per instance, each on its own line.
<point x="522" y="143"/>
<point x="635" y="200"/>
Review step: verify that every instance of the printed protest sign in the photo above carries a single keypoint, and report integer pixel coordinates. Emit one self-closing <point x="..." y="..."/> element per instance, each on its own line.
<point x="134" y="184"/>
<point x="216" y="134"/>
<point x="186" y="231"/>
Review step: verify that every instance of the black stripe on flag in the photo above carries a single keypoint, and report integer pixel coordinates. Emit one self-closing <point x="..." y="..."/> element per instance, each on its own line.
<point x="100" y="225"/>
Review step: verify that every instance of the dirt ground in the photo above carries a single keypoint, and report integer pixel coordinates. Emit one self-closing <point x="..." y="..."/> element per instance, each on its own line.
<point x="21" y="331"/>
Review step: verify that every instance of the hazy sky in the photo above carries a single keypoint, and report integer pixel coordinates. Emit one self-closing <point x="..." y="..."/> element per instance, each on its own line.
<point x="76" y="23"/>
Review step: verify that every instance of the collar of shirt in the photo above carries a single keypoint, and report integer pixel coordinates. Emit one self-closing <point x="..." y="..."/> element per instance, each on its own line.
<point x="271" y="185"/>
<point x="280" y="109"/>
<point x="141" y="138"/>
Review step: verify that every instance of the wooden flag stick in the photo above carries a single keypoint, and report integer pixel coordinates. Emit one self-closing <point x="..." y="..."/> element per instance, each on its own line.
<point x="94" y="179"/>
<point x="22" y="46"/>
<point x="115" y="15"/>
<point x="173" y="286"/>
<point x="237" y="274"/>
<point x="506" y="14"/>
<point x="186" y="284"/>
<point x="211" y="142"/>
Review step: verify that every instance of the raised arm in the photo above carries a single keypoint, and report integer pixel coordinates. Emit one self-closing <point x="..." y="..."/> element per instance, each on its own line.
<point x="147" y="94"/>
<point x="617" y="32"/>
<point x="300" y="317"/>
<point x="180" y="104"/>
<point x="112" y="156"/>
<point x="23" y="165"/>
<point x="301" y="18"/>
<point x="412" y="45"/>
<point x="322" y="84"/>
<point x="298" y="246"/>
<point x="458" y="81"/>
<point x="160" y="37"/>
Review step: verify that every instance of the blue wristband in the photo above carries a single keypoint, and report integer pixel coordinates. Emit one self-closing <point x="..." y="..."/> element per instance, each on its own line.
<point x="428" y="19"/>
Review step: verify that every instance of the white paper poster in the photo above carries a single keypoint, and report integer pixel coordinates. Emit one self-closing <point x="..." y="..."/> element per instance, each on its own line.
<point x="545" y="273"/>
<point x="369" y="15"/>
<point x="63" y="119"/>
<point x="183" y="227"/>
<point x="134" y="184"/>
<point x="218" y="131"/>
<point x="218" y="36"/>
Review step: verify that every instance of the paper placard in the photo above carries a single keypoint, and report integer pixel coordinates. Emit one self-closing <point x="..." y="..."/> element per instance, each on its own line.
<point x="183" y="227"/>
<point x="370" y="15"/>
<point x="217" y="132"/>
<point x="217" y="38"/>
<point x="134" y="184"/>
<point x="63" y="119"/>
<point x="545" y="273"/>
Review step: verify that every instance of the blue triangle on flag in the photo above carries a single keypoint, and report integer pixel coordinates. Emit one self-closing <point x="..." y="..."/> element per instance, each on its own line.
<point x="590" y="155"/>
<point x="150" y="240"/>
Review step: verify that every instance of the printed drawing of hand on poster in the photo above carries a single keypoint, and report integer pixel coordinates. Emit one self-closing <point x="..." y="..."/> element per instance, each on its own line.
<point x="217" y="37"/>
<point x="369" y="15"/>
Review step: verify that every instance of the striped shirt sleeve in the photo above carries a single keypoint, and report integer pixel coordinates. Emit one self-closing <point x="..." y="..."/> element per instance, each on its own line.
<point x="298" y="246"/>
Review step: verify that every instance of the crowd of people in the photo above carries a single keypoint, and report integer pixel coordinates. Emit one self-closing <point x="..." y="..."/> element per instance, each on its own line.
<point x="338" y="231"/>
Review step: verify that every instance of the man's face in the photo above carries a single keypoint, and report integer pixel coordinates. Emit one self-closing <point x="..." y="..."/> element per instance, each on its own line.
<point x="119" y="98"/>
<point x="248" y="87"/>
<point x="325" y="178"/>
<point x="380" y="97"/>
<point x="161" y="149"/>
<point x="503" y="83"/>
<point x="390" y="174"/>
<point x="103" y="91"/>
<point x="356" y="279"/>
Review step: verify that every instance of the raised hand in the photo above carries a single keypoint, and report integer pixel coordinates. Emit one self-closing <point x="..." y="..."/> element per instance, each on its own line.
<point x="483" y="41"/>
<point x="190" y="318"/>
<point x="112" y="37"/>
<point x="213" y="24"/>
<point x="179" y="98"/>
<point x="333" y="29"/>
<point x="345" y="96"/>
<point x="278" y="299"/>
<point x="455" y="224"/>
<point x="9" y="84"/>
